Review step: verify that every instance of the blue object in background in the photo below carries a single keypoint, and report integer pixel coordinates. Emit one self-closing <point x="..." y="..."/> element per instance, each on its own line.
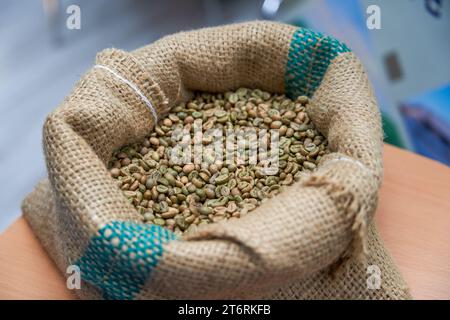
<point x="427" y="119"/>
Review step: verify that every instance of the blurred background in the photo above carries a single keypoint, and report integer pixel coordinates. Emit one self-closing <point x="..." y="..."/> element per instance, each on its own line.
<point x="45" y="49"/>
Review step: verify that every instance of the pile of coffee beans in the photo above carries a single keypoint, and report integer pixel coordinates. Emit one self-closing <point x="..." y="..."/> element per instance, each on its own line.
<point x="182" y="192"/>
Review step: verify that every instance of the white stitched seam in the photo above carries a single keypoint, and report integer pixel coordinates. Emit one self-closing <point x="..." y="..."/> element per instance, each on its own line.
<point x="134" y="88"/>
<point x="340" y="158"/>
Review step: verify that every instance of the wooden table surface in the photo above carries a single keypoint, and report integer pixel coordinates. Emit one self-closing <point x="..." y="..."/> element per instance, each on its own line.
<point x="413" y="218"/>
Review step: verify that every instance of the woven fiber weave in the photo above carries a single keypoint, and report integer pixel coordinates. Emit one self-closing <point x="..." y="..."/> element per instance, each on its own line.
<point x="315" y="240"/>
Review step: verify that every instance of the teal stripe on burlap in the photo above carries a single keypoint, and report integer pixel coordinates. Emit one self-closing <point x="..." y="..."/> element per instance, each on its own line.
<point x="309" y="56"/>
<point x="121" y="257"/>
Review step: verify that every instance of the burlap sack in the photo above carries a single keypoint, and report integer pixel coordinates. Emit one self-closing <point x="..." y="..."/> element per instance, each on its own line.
<point x="315" y="240"/>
